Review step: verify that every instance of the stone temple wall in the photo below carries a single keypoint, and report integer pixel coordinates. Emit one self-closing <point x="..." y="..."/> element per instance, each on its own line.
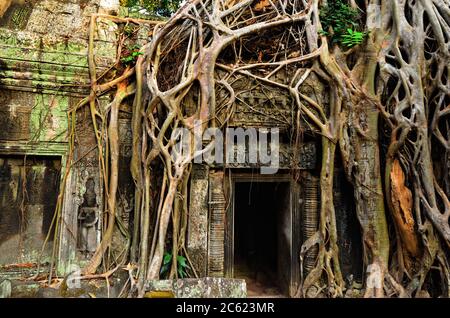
<point x="43" y="73"/>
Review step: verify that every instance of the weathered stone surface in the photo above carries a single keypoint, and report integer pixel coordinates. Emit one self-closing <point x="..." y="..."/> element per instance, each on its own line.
<point x="85" y="289"/>
<point x="89" y="289"/>
<point x="13" y="285"/>
<point x="24" y="289"/>
<point x="28" y="192"/>
<point x="109" y="6"/>
<point x="197" y="241"/>
<point x="208" y="287"/>
<point x="48" y="293"/>
<point x="5" y="288"/>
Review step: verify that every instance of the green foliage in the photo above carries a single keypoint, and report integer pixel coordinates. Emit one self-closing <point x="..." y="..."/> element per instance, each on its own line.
<point x="163" y="8"/>
<point x="340" y="22"/>
<point x="130" y="55"/>
<point x="352" y="38"/>
<point x="182" y="265"/>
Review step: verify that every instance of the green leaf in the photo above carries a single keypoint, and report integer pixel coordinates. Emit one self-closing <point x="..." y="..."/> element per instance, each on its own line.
<point x="167" y="258"/>
<point x="181" y="261"/>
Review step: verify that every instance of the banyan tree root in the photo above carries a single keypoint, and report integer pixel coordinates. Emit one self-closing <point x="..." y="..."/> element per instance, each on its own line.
<point x="385" y="111"/>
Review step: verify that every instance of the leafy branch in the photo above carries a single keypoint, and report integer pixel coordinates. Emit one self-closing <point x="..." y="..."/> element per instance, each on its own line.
<point x="182" y="265"/>
<point x="130" y="55"/>
<point x="341" y="23"/>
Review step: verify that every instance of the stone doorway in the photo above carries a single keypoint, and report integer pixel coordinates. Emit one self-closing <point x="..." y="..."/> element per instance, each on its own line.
<point x="261" y="227"/>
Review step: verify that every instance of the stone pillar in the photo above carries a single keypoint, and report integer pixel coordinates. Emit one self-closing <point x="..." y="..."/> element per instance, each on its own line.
<point x="197" y="241"/>
<point x="216" y="244"/>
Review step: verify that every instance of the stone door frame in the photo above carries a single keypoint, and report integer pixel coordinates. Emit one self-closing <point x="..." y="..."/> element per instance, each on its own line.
<point x="294" y="215"/>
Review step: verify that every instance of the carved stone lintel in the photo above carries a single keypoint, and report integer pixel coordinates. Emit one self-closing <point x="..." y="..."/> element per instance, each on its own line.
<point x="306" y="159"/>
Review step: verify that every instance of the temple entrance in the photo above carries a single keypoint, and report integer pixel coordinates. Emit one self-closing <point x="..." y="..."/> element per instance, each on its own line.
<point x="262" y="236"/>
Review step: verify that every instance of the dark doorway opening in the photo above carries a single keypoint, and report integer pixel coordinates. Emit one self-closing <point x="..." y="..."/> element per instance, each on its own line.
<point x="262" y="227"/>
<point x="29" y="187"/>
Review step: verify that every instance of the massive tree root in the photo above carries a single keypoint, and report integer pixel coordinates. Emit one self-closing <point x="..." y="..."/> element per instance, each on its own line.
<point x="385" y="112"/>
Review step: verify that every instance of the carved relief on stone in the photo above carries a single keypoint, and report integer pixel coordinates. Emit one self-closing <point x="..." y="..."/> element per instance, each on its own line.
<point x="256" y="105"/>
<point x="217" y="208"/>
<point x="88" y="221"/>
<point x="307" y="158"/>
<point x="125" y="137"/>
